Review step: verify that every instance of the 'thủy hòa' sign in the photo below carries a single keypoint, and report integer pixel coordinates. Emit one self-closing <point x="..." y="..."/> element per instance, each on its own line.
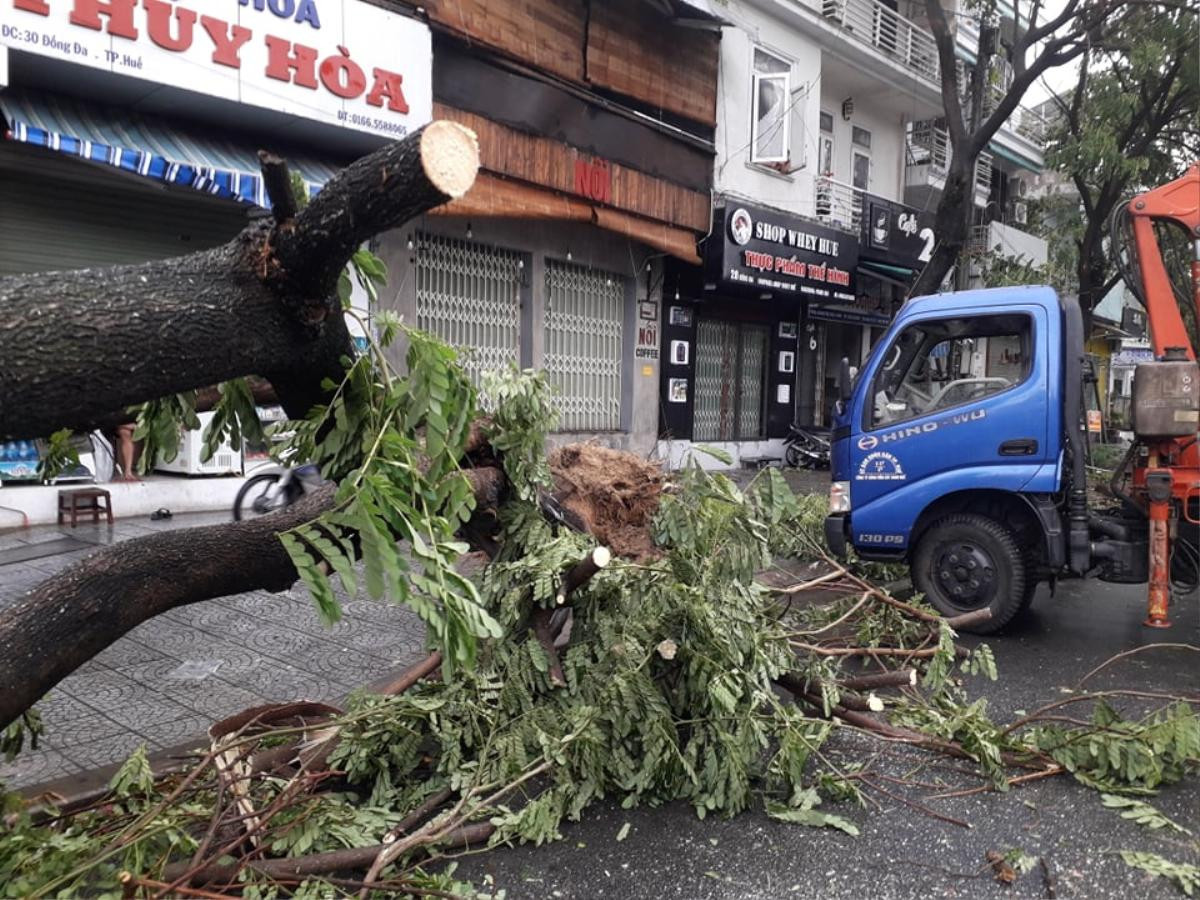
<point x="340" y="62"/>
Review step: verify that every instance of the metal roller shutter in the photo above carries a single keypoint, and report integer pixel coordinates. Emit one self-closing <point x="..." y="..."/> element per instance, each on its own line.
<point x="64" y="214"/>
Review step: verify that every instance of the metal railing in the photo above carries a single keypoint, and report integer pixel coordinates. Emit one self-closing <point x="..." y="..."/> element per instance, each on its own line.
<point x="873" y="24"/>
<point x="929" y="146"/>
<point x="1024" y="121"/>
<point x="977" y="241"/>
<point x="838" y="203"/>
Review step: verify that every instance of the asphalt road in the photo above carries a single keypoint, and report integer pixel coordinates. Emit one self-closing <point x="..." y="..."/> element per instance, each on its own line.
<point x="901" y="852"/>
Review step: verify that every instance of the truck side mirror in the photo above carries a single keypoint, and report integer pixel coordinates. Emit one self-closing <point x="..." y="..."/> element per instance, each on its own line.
<point x="844" y="380"/>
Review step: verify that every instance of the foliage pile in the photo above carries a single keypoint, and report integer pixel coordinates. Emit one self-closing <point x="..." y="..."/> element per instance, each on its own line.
<point x="655" y="680"/>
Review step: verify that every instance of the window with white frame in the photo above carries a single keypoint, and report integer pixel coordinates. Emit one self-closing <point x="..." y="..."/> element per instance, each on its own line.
<point x="826" y="154"/>
<point x="860" y="158"/>
<point x="770" y="106"/>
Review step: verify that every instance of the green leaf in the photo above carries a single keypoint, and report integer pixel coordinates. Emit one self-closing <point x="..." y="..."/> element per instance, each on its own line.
<point x="1141" y="812"/>
<point x="811" y="817"/>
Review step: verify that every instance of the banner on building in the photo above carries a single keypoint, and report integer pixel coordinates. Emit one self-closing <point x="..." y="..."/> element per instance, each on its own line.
<point x="765" y="250"/>
<point x="340" y="62"/>
<point x="895" y="234"/>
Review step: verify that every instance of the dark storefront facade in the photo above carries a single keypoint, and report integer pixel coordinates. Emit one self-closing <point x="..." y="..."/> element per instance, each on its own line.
<point x="733" y="352"/>
<point x="894" y="242"/>
<point x="753" y="338"/>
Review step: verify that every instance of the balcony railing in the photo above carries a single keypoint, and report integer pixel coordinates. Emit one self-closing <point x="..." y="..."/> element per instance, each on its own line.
<point x="1024" y="121"/>
<point x="873" y="24"/>
<point x="977" y="242"/>
<point x="929" y="145"/>
<point x="838" y="203"/>
<point x="966" y="30"/>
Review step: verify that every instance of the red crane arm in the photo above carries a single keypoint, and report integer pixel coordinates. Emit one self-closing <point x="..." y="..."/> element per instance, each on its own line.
<point x="1178" y="201"/>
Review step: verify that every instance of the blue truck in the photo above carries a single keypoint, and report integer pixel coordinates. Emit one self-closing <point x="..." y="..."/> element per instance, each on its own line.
<point x="958" y="449"/>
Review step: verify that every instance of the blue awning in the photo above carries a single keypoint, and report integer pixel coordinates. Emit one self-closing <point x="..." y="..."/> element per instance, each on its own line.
<point x="146" y="145"/>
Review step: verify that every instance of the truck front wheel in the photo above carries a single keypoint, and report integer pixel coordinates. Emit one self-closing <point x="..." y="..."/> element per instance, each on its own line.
<point x="965" y="562"/>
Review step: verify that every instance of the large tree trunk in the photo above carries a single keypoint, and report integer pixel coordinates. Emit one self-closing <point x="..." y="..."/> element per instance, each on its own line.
<point x="72" y="616"/>
<point x="75" y="346"/>
<point x="951" y="227"/>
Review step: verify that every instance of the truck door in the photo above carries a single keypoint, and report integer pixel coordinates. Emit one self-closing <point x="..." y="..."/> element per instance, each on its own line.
<point x="954" y="402"/>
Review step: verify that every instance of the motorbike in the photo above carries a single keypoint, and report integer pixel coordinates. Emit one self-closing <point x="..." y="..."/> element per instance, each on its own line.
<point x="275" y="488"/>
<point x="807" y="447"/>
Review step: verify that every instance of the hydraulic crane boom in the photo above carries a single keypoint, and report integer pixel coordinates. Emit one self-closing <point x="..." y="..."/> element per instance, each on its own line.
<point x="1166" y="480"/>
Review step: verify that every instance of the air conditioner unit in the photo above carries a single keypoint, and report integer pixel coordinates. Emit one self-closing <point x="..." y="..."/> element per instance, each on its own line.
<point x="834" y="9"/>
<point x="226" y="461"/>
<point x="1020" y="213"/>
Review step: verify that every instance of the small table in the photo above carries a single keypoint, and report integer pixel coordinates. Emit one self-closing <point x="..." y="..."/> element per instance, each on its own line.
<point x="92" y="500"/>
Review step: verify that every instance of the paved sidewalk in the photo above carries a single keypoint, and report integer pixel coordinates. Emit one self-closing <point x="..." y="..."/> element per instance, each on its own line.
<point x="168" y="679"/>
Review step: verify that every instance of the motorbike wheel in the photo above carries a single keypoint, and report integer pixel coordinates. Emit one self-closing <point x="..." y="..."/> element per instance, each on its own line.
<point x="251" y="499"/>
<point x="792" y="456"/>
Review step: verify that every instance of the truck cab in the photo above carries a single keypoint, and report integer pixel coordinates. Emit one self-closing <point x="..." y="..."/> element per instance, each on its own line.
<point x="948" y="449"/>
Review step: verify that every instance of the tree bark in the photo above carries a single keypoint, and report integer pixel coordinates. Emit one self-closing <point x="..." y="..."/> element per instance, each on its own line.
<point x="72" y="616"/>
<point x="74" y="346"/>
<point x="951" y="224"/>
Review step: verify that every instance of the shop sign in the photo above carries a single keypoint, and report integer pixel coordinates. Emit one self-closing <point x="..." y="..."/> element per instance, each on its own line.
<point x="647" y="341"/>
<point x="896" y="234"/>
<point x="593" y="180"/>
<point x="847" y="314"/>
<point x="766" y="250"/>
<point x="1131" y="356"/>
<point x="340" y="62"/>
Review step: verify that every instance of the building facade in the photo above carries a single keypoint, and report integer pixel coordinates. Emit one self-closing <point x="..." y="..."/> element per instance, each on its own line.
<point x="830" y="159"/>
<point x="595" y="124"/>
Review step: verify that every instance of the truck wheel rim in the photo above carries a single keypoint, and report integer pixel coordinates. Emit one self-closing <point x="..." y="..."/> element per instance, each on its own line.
<point x="966" y="574"/>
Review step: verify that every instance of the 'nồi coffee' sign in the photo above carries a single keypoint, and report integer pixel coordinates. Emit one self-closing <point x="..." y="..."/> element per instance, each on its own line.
<point x="770" y="251"/>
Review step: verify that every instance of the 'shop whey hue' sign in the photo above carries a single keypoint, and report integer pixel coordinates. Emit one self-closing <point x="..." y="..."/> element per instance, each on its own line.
<point x="341" y="62"/>
<point x="770" y="251"/>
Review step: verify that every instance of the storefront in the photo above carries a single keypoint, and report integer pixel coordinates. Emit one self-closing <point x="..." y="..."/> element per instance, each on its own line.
<point x="554" y="260"/>
<point x="733" y="336"/>
<point x="895" y="241"/>
<point x="131" y="129"/>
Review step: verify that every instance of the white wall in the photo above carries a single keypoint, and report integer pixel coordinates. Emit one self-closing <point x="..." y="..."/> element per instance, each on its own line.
<point x="733" y="173"/>
<point x="1013" y="243"/>
<point x="887" y="139"/>
<point x="812" y="91"/>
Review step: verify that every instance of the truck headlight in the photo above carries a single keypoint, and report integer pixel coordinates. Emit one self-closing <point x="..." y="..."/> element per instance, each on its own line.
<point x="839" y="497"/>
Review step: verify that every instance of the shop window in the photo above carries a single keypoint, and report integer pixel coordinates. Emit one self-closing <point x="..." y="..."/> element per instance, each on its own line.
<point x="770" y="105"/>
<point x="731" y="376"/>
<point x="935" y="366"/>
<point x="469" y="295"/>
<point x="584" y="353"/>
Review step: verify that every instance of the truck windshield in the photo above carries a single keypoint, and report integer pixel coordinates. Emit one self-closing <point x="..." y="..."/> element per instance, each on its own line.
<point x="938" y="364"/>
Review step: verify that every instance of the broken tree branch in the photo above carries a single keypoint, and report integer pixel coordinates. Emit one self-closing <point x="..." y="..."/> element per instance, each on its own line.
<point x="580" y="573"/>
<point x="541" y="630"/>
<point x="278" y="182"/>
<point x="263" y="304"/>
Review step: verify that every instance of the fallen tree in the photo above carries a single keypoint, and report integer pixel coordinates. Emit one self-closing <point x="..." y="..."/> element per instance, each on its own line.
<point x="264" y="304"/>
<point x="562" y="676"/>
